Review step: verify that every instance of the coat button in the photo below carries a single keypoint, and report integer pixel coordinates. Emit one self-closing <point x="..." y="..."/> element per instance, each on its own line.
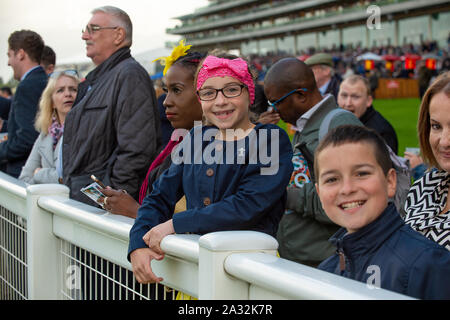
<point x="210" y="172"/>
<point x="206" y="201"/>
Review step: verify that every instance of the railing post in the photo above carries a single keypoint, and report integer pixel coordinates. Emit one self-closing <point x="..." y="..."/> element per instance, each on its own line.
<point x="44" y="278"/>
<point x="214" y="248"/>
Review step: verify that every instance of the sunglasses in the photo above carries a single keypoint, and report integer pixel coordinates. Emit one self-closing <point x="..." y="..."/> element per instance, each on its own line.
<point x="273" y="104"/>
<point x="69" y="72"/>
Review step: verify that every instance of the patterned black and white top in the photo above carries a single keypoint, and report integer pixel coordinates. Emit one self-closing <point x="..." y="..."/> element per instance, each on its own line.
<point x="426" y="200"/>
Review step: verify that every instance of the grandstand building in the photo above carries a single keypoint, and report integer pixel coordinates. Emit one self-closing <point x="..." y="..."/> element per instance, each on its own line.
<point x="261" y="26"/>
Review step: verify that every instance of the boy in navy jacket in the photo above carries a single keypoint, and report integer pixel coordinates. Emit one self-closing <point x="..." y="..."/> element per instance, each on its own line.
<point x="355" y="179"/>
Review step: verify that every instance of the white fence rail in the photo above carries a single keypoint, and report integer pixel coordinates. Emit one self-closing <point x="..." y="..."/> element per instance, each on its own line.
<point x="52" y="247"/>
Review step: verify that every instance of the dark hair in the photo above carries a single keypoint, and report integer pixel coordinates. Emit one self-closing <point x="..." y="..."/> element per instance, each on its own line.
<point x="7" y="90"/>
<point x="191" y="61"/>
<point x="355" y="134"/>
<point x="29" y="41"/>
<point x="260" y="105"/>
<point x="48" y="56"/>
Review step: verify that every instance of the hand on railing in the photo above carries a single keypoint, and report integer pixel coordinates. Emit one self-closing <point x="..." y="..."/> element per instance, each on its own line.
<point x="140" y="262"/>
<point x="154" y="237"/>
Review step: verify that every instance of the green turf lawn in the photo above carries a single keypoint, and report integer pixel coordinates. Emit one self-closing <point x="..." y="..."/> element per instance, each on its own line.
<point x="402" y="114"/>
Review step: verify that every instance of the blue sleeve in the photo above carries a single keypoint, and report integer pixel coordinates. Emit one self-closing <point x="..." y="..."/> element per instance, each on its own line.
<point x="430" y="275"/>
<point x="24" y="107"/>
<point x="158" y="206"/>
<point x="419" y="171"/>
<point x="256" y="196"/>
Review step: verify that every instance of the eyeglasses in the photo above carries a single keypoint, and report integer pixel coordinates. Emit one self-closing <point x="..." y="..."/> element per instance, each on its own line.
<point x="69" y="72"/>
<point x="94" y="28"/>
<point x="273" y="104"/>
<point x="231" y="91"/>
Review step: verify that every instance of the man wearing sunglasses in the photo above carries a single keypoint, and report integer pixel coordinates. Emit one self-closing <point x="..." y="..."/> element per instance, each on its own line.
<point x="24" y="54"/>
<point x="113" y="129"/>
<point x="292" y="91"/>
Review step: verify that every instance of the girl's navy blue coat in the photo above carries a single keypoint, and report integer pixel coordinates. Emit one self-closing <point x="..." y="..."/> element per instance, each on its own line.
<point x="405" y="260"/>
<point x="224" y="184"/>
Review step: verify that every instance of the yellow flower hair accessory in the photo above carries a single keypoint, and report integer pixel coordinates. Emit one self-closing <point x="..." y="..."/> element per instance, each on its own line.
<point x="178" y="51"/>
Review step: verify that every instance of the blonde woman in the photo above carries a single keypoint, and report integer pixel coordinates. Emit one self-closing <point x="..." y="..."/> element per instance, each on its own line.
<point x="56" y="101"/>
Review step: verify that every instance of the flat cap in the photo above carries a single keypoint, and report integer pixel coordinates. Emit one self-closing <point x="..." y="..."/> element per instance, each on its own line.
<point x="320" y="58"/>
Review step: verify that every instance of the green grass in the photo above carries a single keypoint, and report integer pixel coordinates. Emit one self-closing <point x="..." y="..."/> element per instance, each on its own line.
<point x="402" y="115"/>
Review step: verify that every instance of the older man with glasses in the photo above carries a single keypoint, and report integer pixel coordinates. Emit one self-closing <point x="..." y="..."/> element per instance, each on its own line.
<point x="112" y="131"/>
<point x="292" y="91"/>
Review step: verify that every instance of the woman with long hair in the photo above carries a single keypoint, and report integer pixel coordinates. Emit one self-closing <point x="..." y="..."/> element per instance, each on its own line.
<point x="428" y="204"/>
<point x="56" y="101"/>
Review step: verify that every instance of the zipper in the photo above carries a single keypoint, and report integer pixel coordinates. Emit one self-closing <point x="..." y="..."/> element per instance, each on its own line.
<point x="341" y="260"/>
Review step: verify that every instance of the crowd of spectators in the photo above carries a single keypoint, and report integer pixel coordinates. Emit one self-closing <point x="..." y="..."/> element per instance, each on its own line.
<point x="108" y="125"/>
<point x="346" y="62"/>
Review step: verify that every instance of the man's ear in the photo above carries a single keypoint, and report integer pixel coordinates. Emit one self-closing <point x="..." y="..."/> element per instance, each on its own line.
<point x="369" y="101"/>
<point x="21" y="54"/>
<point x="120" y="36"/>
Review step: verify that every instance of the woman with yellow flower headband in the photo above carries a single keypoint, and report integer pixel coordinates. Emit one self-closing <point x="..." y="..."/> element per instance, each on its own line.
<point x="182" y="109"/>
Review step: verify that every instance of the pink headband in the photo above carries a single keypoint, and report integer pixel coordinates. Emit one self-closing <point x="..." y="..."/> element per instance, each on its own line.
<point x="218" y="67"/>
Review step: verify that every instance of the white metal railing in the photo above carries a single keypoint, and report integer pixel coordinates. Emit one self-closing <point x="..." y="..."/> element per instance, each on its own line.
<point x="13" y="239"/>
<point x="53" y="247"/>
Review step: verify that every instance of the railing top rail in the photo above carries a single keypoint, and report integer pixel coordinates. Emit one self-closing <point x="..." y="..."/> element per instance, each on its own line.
<point x="184" y="246"/>
<point x="296" y="281"/>
<point x="181" y="246"/>
<point x="13" y="185"/>
<point x="96" y="218"/>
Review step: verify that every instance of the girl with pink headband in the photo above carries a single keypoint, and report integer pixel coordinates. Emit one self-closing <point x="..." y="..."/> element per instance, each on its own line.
<point x="219" y="167"/>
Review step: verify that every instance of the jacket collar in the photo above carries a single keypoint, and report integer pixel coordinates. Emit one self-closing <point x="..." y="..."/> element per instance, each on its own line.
<point x="100" y="70"/>
<point x="367" y="114"/>
<point x="370" y="237"/>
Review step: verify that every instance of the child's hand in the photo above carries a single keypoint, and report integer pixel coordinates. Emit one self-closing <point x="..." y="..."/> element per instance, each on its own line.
<point x="140" y="262"/>
<point x="156" y="234"/>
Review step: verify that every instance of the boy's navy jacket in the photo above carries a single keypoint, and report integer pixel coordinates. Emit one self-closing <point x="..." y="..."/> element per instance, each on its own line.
<point x="220" y="197"/>
<point x="408" y="262"/>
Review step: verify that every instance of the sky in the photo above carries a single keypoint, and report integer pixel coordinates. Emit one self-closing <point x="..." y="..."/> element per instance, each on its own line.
<point x="59" y="22"/>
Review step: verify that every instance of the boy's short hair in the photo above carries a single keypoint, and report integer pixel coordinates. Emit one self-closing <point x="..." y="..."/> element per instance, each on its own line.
<point x="29" y="41"/>
<point x="355" y="134"/>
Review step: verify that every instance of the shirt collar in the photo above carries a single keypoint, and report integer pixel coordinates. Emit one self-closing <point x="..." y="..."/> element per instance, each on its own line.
<point x="301" y="122"/>
<point x="26" y="73"/>
<point x="324" y="88"/>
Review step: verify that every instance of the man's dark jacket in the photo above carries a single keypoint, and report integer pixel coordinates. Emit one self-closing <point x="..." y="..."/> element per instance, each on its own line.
<point x="5" y="106"/>
<point x="21" y="132"/>
<point x="333" y="86"/>
<point x="113" y="130"/>
<point x="374" y="120"/>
